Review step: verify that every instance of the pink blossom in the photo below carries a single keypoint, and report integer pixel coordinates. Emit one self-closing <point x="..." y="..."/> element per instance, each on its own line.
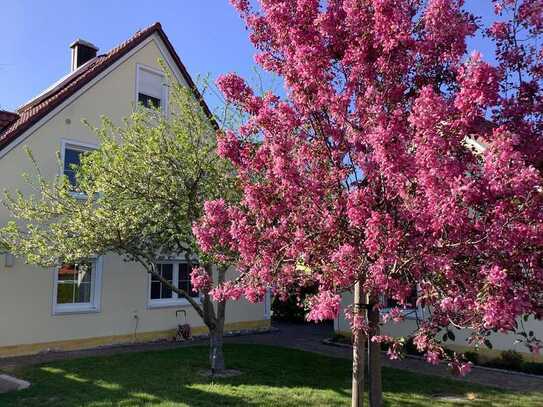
<point x="479" y="86"/>
<point x="200" y="280"/>
<point x="382" y="339"/>
<point x="499" y="30"/>
<point x="323" y="306"/>
<point x="393" y="159"/>
<point x="497" y="276"/>
<point x="395" y="314"/>
<point x="233" y="87"/>
<point x="460" y="368"/>
<point x="395" y="349"/>
<point x="228" y="147"/>
<point x="227" y="291"/>
<point x="254" y="294"/>
<point x="535" y="347"/>
<point x="433" y="357"/>
<point x="357" y="321"/>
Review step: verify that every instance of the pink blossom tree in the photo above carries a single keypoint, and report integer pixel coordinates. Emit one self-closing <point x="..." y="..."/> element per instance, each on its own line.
<point x="395" y="161"/>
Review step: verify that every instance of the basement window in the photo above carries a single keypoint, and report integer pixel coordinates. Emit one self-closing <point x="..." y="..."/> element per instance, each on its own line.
<point x="151" y="90"/>
<point x="77" y="287"/>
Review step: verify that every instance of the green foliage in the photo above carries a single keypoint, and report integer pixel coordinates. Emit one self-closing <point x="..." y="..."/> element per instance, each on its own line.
<point x="411" y="348"/>
<point x="292" y="309"/>
<point x="509" y="359"/>
<point x="138" y="194"/>
<point x="533" y="368"/>
<point x="472" y="356"/>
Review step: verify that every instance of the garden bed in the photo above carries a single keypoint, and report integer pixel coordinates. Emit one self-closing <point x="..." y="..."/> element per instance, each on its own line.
<point x="510" y="361"/>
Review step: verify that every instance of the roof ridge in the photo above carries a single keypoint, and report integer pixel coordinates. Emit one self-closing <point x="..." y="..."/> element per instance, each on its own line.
<point x="31" y="113"/>
<point x="81" y="70"/>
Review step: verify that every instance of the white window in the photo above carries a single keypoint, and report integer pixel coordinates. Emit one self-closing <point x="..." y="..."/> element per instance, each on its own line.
<point x="410" y="309"/>
<point x="177" y="274"/>
<point x="151" y="89"/>
<point x="77" y="287"/>
<point x="71" y="154"/>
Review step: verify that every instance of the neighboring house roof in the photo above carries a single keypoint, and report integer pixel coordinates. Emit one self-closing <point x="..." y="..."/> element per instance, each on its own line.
<point x="7" y="118"/>
<point x="30" y="113"/>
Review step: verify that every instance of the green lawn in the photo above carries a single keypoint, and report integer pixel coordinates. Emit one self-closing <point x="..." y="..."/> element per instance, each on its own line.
<point x="271" y="377"/>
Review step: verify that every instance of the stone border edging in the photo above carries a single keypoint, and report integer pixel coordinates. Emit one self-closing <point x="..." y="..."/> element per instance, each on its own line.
<point x="18" y="383"/>
<point x="329" y="342"/>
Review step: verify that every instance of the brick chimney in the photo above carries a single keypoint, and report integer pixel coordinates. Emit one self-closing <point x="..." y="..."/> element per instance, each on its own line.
<point x="82" y="51"/>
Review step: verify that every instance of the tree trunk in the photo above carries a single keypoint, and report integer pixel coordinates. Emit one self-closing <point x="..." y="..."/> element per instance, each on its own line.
<point x="216" y="356"/>
<point x="374" y="358"/>
<point x="359" y="343"/>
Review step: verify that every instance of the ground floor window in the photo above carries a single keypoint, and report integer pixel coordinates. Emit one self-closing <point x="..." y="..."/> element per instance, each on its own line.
<point x="410" y="309"/>
<point x="77" y="287"/>
<point x="178" y="275"/>
<point x="410" y="303"/>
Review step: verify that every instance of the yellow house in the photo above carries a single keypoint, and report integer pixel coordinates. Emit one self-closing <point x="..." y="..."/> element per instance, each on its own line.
<point x="116" y="302"/>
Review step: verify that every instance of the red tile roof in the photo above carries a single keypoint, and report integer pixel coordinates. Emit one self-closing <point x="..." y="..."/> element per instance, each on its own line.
<point x="36" y="109"/>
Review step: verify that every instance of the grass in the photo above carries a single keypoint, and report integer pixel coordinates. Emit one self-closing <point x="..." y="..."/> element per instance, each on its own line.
<point x="271" y="377"/>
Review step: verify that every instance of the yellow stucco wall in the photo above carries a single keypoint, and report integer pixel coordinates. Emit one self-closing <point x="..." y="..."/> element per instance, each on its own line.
<point x="26" y="315"/>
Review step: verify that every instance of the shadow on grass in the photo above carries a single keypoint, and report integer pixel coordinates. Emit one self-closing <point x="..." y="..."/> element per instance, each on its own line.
<point x="271" y="377"/>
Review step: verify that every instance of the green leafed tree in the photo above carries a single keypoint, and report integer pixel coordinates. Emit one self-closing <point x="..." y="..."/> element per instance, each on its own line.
<point x="137" y="195"/>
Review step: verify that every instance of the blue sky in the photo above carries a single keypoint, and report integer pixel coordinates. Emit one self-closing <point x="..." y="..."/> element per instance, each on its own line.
<point x="208" y="35"/>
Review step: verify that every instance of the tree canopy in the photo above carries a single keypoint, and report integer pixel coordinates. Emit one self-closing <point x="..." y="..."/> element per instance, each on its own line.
<point x="365" y="173"/>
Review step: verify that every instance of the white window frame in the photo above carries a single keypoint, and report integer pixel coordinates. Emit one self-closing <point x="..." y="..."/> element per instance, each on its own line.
<point x="94" y="305"/>
<point x="164" y="100"/>
<point x="78" y="146"/>
<point x="417" y="312"/>
<point x="175" y="301"/>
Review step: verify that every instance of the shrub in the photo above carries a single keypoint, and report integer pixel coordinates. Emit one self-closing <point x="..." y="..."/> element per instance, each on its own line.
<point x="410" y="347"/>
<point x="472" y="356"/>
<point x="533" y="368"/>
<point x="509" y="359"/>
<point x="291" y="310"/>
<point x="339" y="338"/>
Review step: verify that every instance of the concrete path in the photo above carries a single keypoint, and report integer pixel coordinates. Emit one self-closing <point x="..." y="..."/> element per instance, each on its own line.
<point x="307" y="337"/>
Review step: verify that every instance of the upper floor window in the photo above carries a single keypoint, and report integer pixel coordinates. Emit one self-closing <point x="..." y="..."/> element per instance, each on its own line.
<point x="151" y="90"/>
<point x="72" y="153"/>
<point x="178" y="275"/>
<point x="77" y="287"/>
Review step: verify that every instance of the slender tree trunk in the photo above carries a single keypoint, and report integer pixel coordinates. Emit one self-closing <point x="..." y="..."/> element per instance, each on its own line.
<point x="359" y="343"/>
<point x="215" y="323"/>
<point x="216" y="356"/>
<point x="374" y="358"/>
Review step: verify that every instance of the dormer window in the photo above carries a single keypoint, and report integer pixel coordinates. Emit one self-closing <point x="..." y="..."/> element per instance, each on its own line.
<point x="151" y="90"/>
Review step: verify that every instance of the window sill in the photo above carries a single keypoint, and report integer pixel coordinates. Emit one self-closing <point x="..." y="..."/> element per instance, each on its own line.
<point x="79" y="195"/>
<point x="171" y="304"/>
<point x="71" y="310"/>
